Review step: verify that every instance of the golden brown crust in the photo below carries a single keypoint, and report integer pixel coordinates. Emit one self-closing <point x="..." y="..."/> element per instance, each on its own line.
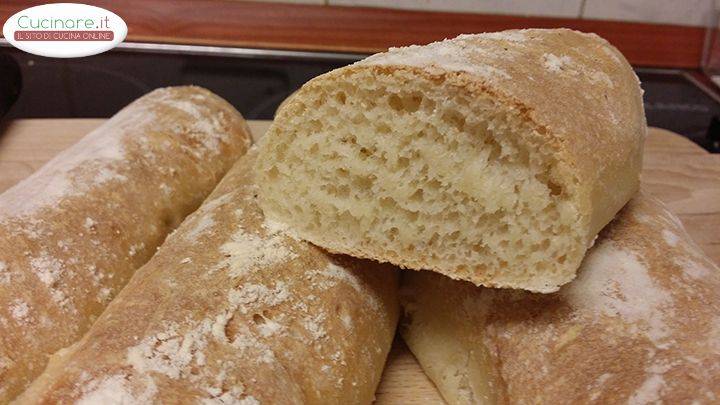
<point x="638" y="325"/>
<point x="232" y="309"/>
<point x="72" y="234"/>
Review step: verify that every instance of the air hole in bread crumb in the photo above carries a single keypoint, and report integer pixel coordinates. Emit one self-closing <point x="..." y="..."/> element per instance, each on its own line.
<point x="455" y="119"/>
<point x="412" y="102"/>
<point x="417" y="196"/>
<point x="383" y="128"/>
<point x="340" y="97"/>
<point x="395" y="102"/>
<point x="434" y="185"/>
<point x="347" y="139"/>
<point x="364" y="183"/>
<point x="495" y="150"/>
<point x="555" y="189"/>
<point x="387" y="202"/>
<point x="231" y="328"/>
<point x="258" y="319"/>
<point x="428" y="105"/>
<point x="393" y="233"/>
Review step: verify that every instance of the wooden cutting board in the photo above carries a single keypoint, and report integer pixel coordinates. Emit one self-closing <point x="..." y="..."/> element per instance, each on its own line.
<point x="676" y="170"/>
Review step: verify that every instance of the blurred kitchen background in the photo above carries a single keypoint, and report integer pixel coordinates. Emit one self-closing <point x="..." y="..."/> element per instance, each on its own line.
<point x="255" y="54"/>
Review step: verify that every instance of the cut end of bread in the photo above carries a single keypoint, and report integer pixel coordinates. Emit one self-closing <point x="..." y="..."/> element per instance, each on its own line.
<point x="401" y="167"/>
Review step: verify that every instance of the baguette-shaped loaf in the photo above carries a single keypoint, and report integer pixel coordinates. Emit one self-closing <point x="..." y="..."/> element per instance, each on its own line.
<point x="230" y="310"/>
<point x="73" y="233"/>
<point x="494" y="158"/>
<point x="640" y="325"/>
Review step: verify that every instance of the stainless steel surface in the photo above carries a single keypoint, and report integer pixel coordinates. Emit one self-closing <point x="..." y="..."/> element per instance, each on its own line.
<point x="250" y="53"/>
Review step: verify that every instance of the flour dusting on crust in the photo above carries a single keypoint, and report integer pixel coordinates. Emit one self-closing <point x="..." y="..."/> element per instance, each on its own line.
<point x="230" y="308"/>
<point x="170" y="352"/>
<point x="97" y="159"/>
<point x="253" y="313"/>
<point x="182" y="355"/>
<point x="65" y="175"/>
<point x="71" y="233"/>
<point x="450" y="52"/>
<point x="566" y="65"/>
<point x="115" y="390"/>
<point x="246" y="251"/>
<point x="477" y="55"/>
<point x="555" y="63"/>
<point x="4" y="273"/>
<point x="20" y="310"/>
<point x="336" y="273"/>
<point x="614" y="282"/>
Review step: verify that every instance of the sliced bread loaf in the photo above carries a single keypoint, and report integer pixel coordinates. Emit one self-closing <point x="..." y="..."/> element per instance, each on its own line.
<point x="494" y="158"/>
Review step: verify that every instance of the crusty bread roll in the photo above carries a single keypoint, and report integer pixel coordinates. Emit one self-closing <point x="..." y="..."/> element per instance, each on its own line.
<point x="231" y="310"/>
<point x="72" y="234"/>
<point x="494" y="158"/>
<point x="640" y="325"/>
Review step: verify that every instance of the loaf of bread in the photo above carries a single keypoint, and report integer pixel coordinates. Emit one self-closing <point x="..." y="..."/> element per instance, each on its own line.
<point x="640" y="325"/>
<point x="231" y="310"/>
<point x="494" y="158"/>
<point x="73" y="233"/>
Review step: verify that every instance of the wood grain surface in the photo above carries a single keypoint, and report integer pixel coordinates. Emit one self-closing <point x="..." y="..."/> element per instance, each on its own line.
<point x="676" y="170"/>
<point x="365" y="29"/>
